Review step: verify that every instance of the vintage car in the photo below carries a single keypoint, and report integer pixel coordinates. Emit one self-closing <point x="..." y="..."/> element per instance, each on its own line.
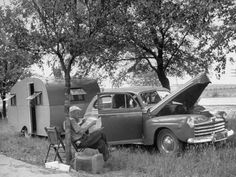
<point x="139" y="116"/>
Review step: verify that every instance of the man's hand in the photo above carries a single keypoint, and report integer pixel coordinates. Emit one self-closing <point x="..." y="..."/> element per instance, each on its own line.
<point x="92" y="123"/>
<point x="82" y="121"/>
<point x="87" y="124"/>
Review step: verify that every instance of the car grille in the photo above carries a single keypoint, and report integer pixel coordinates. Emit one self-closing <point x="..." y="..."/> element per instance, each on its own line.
<point x="209" y="128"/>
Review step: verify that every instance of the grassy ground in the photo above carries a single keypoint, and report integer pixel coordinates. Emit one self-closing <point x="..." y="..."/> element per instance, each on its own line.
<point x="207" y="160"/>
<point x="31" y="150"/>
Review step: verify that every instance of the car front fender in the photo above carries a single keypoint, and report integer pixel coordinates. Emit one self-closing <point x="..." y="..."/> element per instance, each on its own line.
<point x="177" y="125"/>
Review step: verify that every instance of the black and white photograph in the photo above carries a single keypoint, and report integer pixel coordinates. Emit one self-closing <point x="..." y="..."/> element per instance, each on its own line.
<point x="123" y="88"/>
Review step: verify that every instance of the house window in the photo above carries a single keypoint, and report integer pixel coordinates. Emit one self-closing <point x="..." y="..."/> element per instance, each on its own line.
<point x="77" y="94"/>
<point x="35" y="98"/>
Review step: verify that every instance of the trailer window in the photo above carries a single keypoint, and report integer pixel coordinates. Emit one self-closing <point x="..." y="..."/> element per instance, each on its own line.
<point x="77" y="94"/>
<point x="38" y="100"/>
<point x="13" y="100"/>
<point x="35" y="98"/>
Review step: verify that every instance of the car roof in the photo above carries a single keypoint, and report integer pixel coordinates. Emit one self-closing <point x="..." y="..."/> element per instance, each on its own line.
<point x="135" y="89"/>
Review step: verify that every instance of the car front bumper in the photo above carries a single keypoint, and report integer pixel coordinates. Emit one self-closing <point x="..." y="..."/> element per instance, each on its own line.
<point x="220" y="136"/>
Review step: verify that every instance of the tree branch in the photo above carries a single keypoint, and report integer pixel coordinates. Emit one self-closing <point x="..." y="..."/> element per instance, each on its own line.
<point x="61" y="61"/>
<point x="147" y="59"/>
<point x="176" y="50"/>
<point x="130" y="59"/>
<point x="42" y="17"/>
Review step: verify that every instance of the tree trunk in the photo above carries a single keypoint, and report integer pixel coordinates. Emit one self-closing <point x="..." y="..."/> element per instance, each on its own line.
<point x="4" y="107"/>
<point x="160" y="69"/>
<point x="162" y="77"/>
<point x="67" y="123"/>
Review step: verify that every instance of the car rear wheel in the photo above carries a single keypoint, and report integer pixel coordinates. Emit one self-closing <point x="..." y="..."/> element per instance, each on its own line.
<point x="168" y="143"/>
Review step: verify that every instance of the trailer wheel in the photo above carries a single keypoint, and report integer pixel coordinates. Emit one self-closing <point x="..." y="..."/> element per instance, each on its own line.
<point x="24" y="132"/>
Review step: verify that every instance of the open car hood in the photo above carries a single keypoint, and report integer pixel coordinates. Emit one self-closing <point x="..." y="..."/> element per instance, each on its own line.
<point x="187" y="94"/>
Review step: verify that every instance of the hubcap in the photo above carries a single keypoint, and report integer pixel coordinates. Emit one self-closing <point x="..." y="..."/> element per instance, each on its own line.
<point x="168" y="144"/>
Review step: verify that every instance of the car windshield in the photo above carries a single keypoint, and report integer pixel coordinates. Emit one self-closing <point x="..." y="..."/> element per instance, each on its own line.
<point x="150" y="97"/>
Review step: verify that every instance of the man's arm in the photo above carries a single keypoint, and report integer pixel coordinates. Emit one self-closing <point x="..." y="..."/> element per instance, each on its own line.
<point x="76" y="127"/>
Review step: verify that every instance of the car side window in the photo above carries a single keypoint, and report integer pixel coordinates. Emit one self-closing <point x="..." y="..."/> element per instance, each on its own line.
<point x="131" y="103"/>
<point x="150" y="97"/>
<point x="118" y="101"/>
<point x="123" y="101"/>
<point x="104" y="102"/>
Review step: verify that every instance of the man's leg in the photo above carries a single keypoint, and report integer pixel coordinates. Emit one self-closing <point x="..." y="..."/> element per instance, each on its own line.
<point x="103" y="149"/>
<point x="96" y="140"/>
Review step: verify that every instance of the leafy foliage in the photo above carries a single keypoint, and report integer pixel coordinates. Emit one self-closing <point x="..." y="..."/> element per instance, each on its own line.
<point x="13" y="60"/>
<point x="170" y="37"/>
<point x="145" y="79"/>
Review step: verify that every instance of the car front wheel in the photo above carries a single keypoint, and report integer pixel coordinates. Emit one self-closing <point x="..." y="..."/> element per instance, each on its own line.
<point x="167" y="142"/>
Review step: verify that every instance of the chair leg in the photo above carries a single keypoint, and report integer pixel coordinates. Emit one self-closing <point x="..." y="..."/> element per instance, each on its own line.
<point x="57" y="155"/>
<point x="63" y="146"/>
<point x="49" y="147"/>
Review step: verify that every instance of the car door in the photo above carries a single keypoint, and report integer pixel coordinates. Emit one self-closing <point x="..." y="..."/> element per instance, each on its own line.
<point x="121" y="118"/>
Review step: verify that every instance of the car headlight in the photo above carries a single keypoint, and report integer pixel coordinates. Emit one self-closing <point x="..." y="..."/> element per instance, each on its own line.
<point x="224" y="115"/>
<point x="190" y="122"/>
<point x="221" y="114"/>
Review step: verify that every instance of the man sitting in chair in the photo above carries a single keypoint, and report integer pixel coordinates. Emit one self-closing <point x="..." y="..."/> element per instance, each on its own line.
<point x="82" y="138"/>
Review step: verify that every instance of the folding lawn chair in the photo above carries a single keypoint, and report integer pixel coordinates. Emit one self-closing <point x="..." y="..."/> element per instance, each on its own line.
<point x="55" y="142"/>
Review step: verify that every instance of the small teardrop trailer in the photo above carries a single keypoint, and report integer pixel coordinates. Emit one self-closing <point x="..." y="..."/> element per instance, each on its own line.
<point x="35" y="104"/>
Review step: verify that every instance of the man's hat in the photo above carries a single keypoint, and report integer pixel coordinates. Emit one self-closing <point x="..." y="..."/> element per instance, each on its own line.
<point x="73" y="108"/>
